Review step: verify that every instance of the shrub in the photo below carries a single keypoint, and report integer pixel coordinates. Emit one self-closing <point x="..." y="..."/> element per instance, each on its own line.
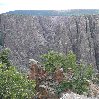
<point x="13" y="84"/>
<point x="4" y="57"/>
<point x="82" y="75"/>
<point x="63" y="86"/>
<point x="52" y="60"/>
<point x="80" y="72"/>
<point x="70" y="61"/>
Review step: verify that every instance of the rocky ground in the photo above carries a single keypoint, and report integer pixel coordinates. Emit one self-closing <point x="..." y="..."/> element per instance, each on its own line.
<point x="76" y="96"/>
<point x="45" y="85"/>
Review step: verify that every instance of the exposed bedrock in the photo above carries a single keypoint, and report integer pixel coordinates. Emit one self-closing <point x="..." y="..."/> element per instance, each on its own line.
<point x="30" y="36"/>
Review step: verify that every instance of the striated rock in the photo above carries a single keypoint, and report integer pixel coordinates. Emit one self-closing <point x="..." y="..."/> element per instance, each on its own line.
<point x="30" y="36"/>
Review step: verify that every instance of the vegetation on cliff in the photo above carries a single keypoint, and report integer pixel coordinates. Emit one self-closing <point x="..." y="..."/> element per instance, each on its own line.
<point x="76" y="75"/>
<point x="66" y="75"/>
<point x="13" y="84"/>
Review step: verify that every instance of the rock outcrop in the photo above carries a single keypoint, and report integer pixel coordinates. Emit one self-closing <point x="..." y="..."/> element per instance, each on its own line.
<point x="30" y="36"/>
<point x="75" y="96"/>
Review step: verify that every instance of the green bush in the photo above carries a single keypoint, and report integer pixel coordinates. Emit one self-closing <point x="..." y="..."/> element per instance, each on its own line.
<point x="69" y="61"/>
<point x="63" y="86"/>
<point x="4" y="57"/>
<point x="80" y="72"/>
<point x="13" y="84"/>
<point x="52" y="60"/>
<point x="82" y="75"/>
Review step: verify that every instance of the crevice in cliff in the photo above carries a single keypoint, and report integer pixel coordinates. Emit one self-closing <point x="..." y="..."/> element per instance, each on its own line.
<point x="76" y="45"/>
<point x="93" y="36"/>
<point x="75" y="41"/>
<point x="0" y="23"/>
<point x="90" y="42"/>
<point x="77" y="27"/>
<point x="97" y="56"/>
<point x="0" y="20"/>
<point x="42" y="26"/>
<point x="86" y="25"/>
<point x="91" y="27"/>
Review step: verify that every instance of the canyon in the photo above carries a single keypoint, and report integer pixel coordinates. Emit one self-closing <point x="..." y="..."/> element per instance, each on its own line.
<point x="30" y="36"/>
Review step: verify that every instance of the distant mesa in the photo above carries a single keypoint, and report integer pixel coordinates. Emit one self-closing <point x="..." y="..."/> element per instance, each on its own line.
<point x="76" y="12"/>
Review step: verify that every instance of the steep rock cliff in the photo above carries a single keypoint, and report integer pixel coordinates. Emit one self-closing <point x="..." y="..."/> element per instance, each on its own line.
<point x="30" y="36"/>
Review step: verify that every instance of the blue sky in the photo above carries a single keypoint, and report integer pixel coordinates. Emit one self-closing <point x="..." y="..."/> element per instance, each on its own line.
<point x="10" y="5"/>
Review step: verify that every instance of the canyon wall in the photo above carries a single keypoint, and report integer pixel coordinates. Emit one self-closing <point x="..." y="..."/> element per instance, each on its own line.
<point x="30" y="36"/>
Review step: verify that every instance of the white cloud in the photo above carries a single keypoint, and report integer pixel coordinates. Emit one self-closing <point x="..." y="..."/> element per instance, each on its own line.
<point x="47" y="4"/>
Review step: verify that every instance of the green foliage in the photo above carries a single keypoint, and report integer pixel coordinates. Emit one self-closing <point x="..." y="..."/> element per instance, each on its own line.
<point x="80" y="72"/>
<point x="63" y="86"/>
<point x="78" y="85"/>
<point x="81" y="76"/>
<point x="96" y="78"/>
<point x="79" y="82"/>
<point x="1" y="39"/>
<point x="4" y="57"/>
<point x="70" y="61"/>
<point x="52" y="60"/>
<point x="84" y="71"/>
<point x="13" y="84"/>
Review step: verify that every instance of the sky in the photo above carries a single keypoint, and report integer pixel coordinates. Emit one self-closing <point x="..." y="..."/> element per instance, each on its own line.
<point x="11" y="5"/>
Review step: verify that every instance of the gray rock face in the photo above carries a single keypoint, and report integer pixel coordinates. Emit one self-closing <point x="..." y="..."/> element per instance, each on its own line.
<point x="30" y="36"/>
